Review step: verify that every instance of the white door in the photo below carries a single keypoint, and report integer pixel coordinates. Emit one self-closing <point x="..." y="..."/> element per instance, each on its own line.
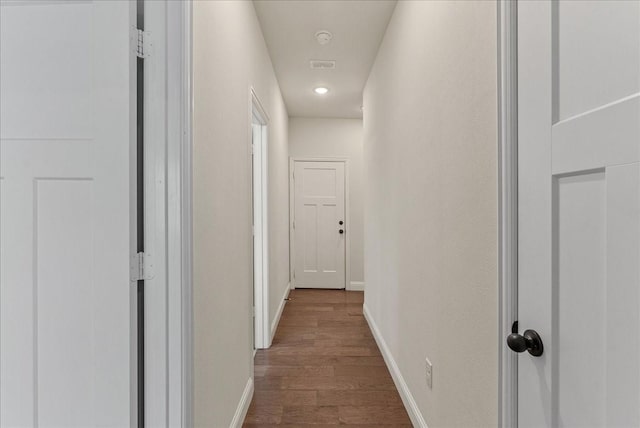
<point x="65" y="198"/>
<point x="579" y="212"/>
<point x="319" y="225"/>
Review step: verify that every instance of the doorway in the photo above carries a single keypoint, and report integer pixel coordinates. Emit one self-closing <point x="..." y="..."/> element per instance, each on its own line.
<point x="259" y="169"/>
<point x="319" y="238"/>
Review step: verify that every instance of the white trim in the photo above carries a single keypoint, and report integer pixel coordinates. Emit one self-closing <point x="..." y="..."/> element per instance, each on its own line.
<point x="264" y="117"/>
<point x="356" y="286"/>
<point x="276" y="319"/>
<point x="259" y="156"/>
<point x="156" y="221"/>
<point x="133" y="220"/>
<point x="347" y="219"/>
<point x="292" y="278"/>
<point x="508" y="209"/>
<point x="407" y="398"/>
<point x="168" y="221"/>
<point x="347" y="214"/>
<point x="243" y="405"/>
<point x="179" y="214"/>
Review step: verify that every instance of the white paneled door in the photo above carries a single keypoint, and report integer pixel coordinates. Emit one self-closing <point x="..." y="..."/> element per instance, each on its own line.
<point x="65" y="203"/>
<point x="579" y="212"/>
<point x="319" y="224"/>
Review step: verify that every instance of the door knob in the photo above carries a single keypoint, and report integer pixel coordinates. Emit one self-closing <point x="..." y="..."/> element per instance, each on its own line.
<point x="529" y="341"/>
<point x="341" y="231"/>
<point x="341" y="222"/>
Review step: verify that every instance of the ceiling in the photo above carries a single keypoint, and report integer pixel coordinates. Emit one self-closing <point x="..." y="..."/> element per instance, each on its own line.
<point x="289" y="28"/>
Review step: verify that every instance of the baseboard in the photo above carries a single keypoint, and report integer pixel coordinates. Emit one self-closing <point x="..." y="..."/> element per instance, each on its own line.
<point x="276" y="319"/>
<point x="409" y="403"/>
<point x="356" y="286"/>
<point x="243" y="405"/>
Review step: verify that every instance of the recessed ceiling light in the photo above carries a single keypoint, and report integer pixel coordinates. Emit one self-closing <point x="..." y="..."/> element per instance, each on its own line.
<point x="323" y="37"/>
<point x="321" y="90"/>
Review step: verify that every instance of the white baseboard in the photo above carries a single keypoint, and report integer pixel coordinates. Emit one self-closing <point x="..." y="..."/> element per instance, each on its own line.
<point x="409" y="403"/>
<point x="276" y="319"/>
<point x="356" y="286"/>
<point x="243" y="405"/>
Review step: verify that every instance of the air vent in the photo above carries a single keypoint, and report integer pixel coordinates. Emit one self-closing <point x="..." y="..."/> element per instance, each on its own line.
<point x="320" y="64"/>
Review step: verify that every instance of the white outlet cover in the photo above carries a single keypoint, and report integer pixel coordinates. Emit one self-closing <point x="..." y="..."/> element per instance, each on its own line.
<point x="429" y="373"/>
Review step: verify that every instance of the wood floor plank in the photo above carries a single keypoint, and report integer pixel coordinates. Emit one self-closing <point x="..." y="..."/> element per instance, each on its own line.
<point x="338" y="351"/>
<point x="322" y="360"/>
<point x="309" y="415"/>
<point x="324" y="368"/>
<point x="376" y="372"/>
<point x="338" y="383"/>
<point x="341" y="342"/>
<point x="290" y="398"/>
<point x="374" y="415"/>
<point x="267" y="383"/>
<point x="358" y="398"/>
<point x="324" y="425"/>
<point x="299" y="371"/>
<point x="264" y="414"/>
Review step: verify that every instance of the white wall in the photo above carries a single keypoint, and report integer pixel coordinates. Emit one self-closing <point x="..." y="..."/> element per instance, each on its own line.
<point x="430" y="145"/>
<point x="229" y="56"/>
<point x="314" y="137"/>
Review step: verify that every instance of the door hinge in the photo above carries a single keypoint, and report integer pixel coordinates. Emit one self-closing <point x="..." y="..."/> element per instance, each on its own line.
<point x="141" y="43"/>
<point x="294" y="224"/>
<point x="141" y="267"/>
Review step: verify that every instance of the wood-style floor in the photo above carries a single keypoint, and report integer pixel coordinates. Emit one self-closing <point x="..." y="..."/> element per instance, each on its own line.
<point x="324" y="368"/>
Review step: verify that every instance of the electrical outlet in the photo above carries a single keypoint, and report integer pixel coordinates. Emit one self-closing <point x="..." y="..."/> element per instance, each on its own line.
<point x="429" y="373"/>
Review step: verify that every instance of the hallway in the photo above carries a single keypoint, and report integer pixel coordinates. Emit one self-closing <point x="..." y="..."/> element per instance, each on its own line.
<point x="324" y="367"/>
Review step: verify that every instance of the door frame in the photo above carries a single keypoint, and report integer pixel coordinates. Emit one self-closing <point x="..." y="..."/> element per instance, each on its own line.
<point x="347" y="215"/>
<point x="169" y="191"/>
<point x="179" y="386"/>
<point x="180" y="228"/>
<point x="260" y="222"/>
<point x="507" y="209"/>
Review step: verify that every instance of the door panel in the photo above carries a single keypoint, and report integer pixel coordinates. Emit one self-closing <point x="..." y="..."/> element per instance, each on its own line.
<point x="65" y="231"/>
<point x="580" y="298"/>
<point x="319" y="206"/>
<point x="594" y="40"/>
<point x="309" y="226"/>
<point x="579" y="212"/>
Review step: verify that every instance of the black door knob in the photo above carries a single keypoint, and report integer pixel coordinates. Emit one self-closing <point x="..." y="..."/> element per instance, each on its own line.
<point x="341" y="222"/>
<point x="529" y="341"/>
<point x="341" y="231"/>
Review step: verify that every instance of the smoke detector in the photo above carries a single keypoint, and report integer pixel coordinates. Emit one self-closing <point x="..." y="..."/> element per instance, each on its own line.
<point x="324" y="37"/>
<point x="322" y="64"/>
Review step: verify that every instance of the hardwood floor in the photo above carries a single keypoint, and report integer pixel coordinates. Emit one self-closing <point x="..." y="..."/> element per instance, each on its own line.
<point x="324" y="368"/>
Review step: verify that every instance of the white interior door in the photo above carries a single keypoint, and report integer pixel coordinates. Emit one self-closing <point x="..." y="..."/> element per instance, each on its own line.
<point x="65" y="206"/>
<point x="579" y="212"/>
<point x="319" y="235"/>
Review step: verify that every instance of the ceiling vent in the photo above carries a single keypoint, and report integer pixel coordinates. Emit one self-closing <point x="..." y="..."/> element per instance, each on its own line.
<point x="321" y="64"/>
